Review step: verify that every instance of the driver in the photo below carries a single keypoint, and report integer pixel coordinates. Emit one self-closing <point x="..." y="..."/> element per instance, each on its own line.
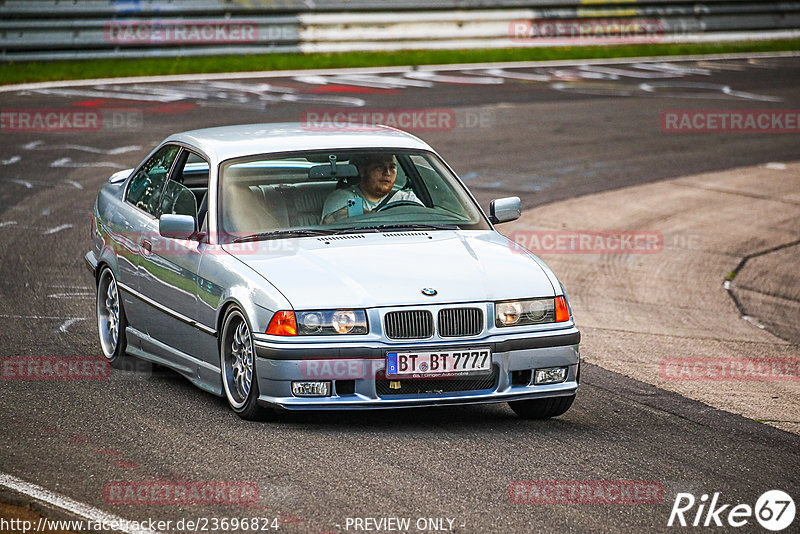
<point x="378" y="173"/>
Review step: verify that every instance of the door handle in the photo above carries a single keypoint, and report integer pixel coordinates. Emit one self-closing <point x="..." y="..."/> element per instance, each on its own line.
<point x="146" y="245"/>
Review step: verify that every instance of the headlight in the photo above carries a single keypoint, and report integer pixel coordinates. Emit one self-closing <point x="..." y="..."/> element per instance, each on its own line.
<point x="331" y="322"/>
<point x="531" y="311"/>
<point x="508" y="313"/>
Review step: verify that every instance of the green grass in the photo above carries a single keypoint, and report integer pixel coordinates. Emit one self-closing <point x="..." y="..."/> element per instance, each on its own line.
<point x="39" y="71"/>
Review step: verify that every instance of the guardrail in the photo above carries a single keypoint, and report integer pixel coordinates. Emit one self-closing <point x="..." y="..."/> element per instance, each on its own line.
<point x="52" y="29"/>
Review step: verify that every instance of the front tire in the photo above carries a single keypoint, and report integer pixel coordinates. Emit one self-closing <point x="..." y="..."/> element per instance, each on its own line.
<point x="237" y="360"/>
<point x="542" y="408"/>
<point x="111" y="320"/>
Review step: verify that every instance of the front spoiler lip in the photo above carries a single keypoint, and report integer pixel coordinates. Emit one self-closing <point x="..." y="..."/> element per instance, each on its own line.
<point x="289" y="404"/>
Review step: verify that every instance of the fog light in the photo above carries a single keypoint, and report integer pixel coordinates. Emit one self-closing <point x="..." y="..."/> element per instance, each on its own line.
<point x="551" y="375"/>
<point x="311" y="389"/>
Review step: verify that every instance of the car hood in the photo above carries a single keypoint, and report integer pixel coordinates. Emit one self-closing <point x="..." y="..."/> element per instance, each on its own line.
<point x="392" y="268"/>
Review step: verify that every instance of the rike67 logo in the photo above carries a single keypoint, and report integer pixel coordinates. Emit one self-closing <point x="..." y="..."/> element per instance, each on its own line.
<point x="774" y="510"/>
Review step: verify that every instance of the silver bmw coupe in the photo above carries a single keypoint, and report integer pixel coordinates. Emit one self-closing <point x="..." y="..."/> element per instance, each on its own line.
<point x="293" y="268"/>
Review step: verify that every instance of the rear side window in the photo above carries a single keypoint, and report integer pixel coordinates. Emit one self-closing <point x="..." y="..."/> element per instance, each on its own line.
<point x="144" y="190"/>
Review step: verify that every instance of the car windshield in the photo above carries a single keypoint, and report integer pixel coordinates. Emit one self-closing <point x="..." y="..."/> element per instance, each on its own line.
<point x="325" y="192"/>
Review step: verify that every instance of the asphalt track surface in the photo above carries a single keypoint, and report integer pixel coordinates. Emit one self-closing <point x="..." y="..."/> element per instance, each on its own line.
<point x="559" y="133"/>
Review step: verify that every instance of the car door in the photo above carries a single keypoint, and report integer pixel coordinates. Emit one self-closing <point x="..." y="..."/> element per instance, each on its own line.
<point x="132" y="229"/>
<point x="168" y="271"/>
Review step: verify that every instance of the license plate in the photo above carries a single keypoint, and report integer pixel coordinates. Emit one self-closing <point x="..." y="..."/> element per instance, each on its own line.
<point x="460" y="362"/>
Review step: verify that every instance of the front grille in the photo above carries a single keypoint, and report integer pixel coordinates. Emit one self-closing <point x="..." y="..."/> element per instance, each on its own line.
<point x="418" y="386"/>
<point x="455" y="322"/>
<point x="412" y="324"/>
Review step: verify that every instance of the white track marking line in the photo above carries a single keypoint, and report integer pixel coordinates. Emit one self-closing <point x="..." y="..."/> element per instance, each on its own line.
<point x="137" y="97"/>
<point x="7" y="223"/>
<point x="10" y="161"/>
<point x="680" y="70"/>
<point x="390" y="70"/>
<point x="56" y="229"/>
<point x="776" y="166"/>
<point x="26" y="183"/>
<point x="524" y="76"/>
<point x="85" y="511"/>
<point x="79" y="294"/>
<point x="461" y="80"/>
<point x="74" y="183"/>
<point x="69" y="322"/>
<point x="386" y="82"/>
<point x="68" y="163"/>
<point x="628" y="73"/>
<point x="327" y="99"/>
<point x="40" y="145"/>
<point x="37" y="317"/>
<point x="258" y="89"/>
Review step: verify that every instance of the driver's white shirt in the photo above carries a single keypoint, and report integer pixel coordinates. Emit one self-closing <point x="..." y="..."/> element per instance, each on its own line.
<point x="338" y="199"/>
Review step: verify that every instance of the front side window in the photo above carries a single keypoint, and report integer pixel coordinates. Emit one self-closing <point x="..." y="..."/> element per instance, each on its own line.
<point x="342" y="191"/>
<point x="146" y="186"/>
<point x="187" y="188"/>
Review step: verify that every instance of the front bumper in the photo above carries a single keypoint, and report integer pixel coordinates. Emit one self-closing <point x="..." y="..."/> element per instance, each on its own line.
<point x="356" y="370"/>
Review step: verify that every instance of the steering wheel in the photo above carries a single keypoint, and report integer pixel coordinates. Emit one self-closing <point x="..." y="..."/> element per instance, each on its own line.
<point x="398" y="203"/>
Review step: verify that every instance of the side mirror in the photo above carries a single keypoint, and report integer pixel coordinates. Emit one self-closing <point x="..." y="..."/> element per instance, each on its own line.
<point x="504" y="210"/>
<point x="177" y="226"/>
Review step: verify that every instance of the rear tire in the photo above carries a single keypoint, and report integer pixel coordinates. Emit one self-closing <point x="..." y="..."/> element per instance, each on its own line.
<point x="542" y="408"/>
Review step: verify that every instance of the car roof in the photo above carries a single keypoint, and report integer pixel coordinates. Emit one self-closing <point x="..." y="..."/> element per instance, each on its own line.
<point x="226" y="142"/>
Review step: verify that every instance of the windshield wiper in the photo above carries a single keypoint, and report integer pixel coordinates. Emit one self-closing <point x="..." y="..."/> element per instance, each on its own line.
<point x="407" y="226"/>
<point x="312" y="232"/>
<point x="297" y="232"/>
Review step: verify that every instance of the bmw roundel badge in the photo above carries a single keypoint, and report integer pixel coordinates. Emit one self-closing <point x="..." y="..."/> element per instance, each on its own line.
<point x="429" y="291"/>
